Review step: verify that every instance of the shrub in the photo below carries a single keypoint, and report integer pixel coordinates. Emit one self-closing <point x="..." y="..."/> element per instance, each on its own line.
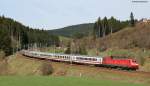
<point x="46" y="69"/>
<point x="2" y="55"/>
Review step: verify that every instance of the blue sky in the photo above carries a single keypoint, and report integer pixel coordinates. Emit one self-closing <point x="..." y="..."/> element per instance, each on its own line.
<point x="53" y="14"/>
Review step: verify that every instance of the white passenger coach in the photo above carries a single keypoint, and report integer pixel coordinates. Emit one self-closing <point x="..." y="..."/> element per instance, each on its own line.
<point x="64" y="57"/>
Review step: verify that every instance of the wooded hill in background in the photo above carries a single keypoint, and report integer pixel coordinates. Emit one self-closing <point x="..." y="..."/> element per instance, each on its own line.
<point x="71" y="30"/>
<point x="15" y="36"/>
<point x="87" y="29"/>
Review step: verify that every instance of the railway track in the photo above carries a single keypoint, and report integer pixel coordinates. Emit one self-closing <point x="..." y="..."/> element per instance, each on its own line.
<point x="142" y="72"/>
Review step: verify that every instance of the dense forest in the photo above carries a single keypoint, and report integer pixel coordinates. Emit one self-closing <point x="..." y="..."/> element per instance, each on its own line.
<point x="15" y="36"/>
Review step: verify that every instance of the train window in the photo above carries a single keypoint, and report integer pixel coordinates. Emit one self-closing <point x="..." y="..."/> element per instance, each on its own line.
<point x="93" y="59"/>
<point x="134" y="61"/>
<point x="90" y="59"/>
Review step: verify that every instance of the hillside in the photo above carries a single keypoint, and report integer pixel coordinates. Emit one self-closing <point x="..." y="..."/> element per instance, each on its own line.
<point x="70" y="30"/>
<point x="130" y="37"/>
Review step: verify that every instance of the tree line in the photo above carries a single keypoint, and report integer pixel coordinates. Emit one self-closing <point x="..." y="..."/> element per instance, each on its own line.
<point x="15" y="36"/>
<point x="105" y="26"/>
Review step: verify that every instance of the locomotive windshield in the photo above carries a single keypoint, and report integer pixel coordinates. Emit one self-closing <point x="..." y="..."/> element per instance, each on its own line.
<point x="134" y="61"/>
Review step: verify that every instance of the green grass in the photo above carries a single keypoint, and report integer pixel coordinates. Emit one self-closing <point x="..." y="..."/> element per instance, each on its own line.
<point x="57" y="81"/>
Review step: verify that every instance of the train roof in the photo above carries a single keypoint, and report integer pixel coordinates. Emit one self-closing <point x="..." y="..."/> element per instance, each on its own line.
<point x="77" y="55"/>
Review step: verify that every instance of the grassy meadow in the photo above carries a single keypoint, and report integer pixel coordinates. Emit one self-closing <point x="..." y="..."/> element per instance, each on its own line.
<point x="58" y="81"/>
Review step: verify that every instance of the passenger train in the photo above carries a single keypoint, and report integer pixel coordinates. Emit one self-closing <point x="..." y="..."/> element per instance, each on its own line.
<point x="107" y="61"/>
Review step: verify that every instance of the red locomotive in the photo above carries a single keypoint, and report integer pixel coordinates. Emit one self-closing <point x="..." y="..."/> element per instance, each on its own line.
<point x="123" y="63"/>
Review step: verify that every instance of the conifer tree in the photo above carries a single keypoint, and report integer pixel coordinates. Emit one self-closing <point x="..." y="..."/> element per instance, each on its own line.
<point x="132" y="21"/>
<point x="100" y="34"/>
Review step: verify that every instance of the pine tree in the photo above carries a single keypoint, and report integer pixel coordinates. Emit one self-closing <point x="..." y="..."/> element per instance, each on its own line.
<point x="100" y="34"/>
<point x="105" y="22"/>
<point x="94" y="30"/>
<point x="132" y="21"/>
<point x="97" y="30"/>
